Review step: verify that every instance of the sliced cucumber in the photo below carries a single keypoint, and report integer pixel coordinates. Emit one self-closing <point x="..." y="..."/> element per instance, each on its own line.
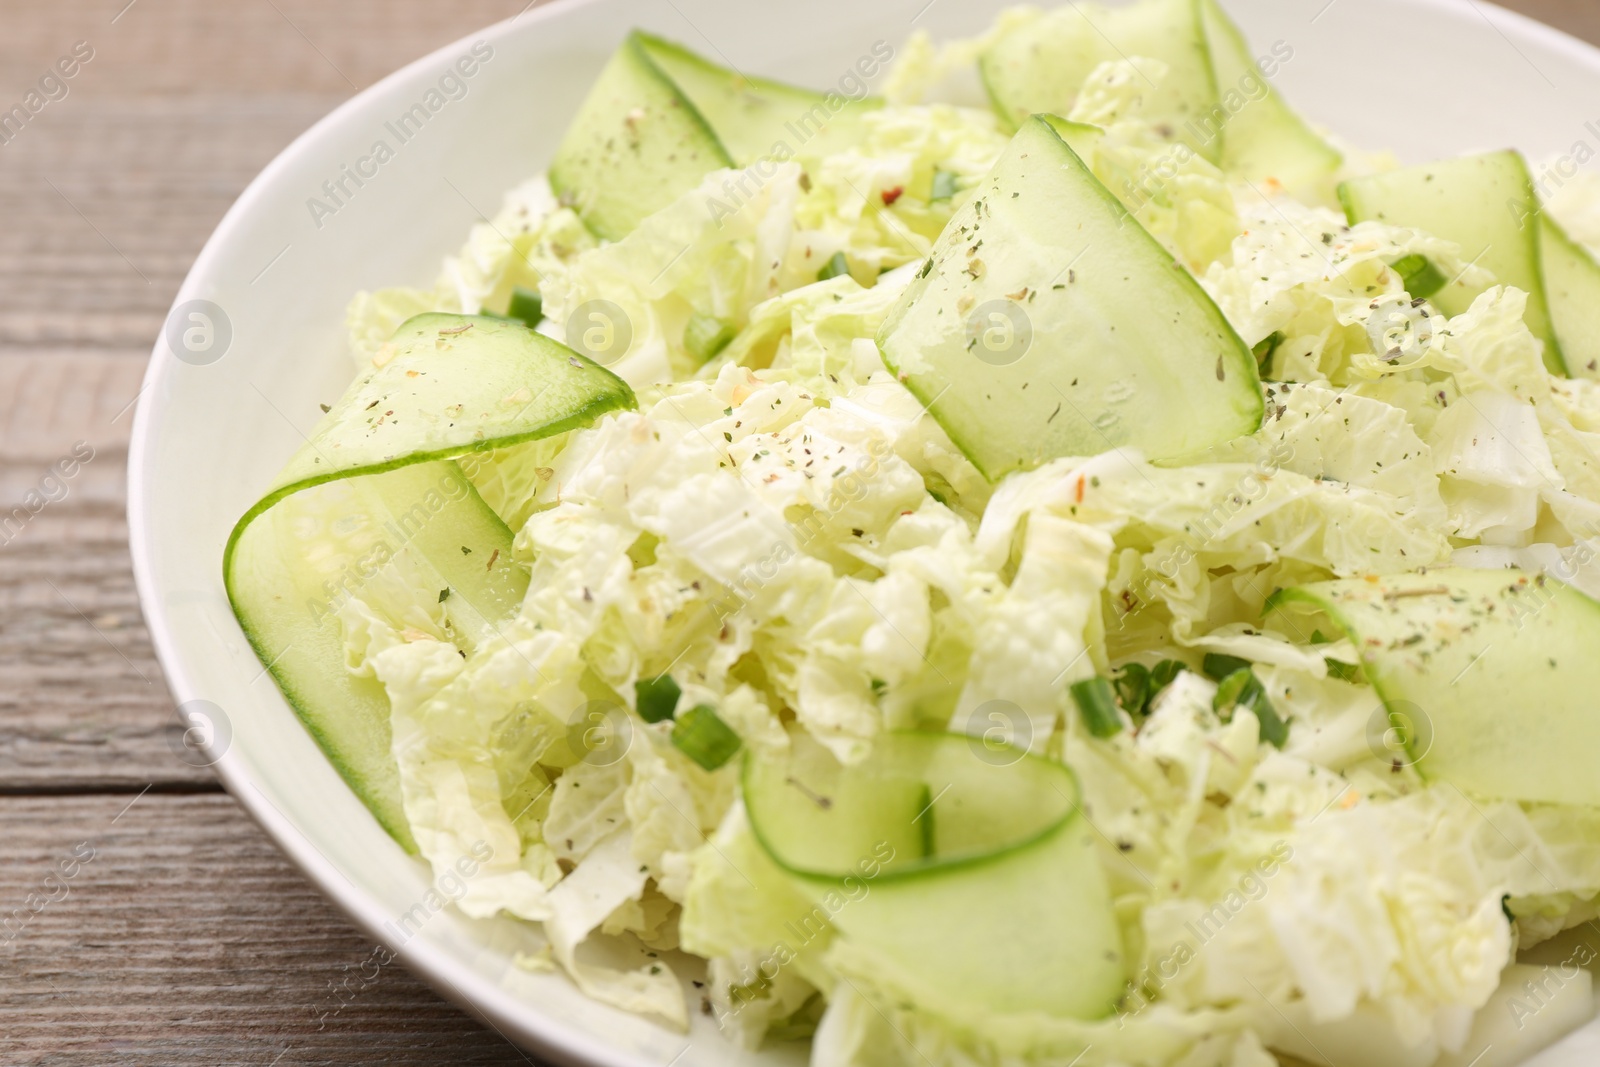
<point x="1041" y="64"/>
<point x="372" y="489"/>
<point x="1572" y="283"/>
<point x="977" y="875"/>
<point x="1084" y="139"/>
<point x="1487" y="205"/>
<point x="1048" y="323"/>
<point x="290" y="570"/>
<point x="661" y="118"/>
<point x="1489" y="677"/>
<point x="1264" y="138"/>
<point x="637" y="144"/>
<point x="756" y="118"/>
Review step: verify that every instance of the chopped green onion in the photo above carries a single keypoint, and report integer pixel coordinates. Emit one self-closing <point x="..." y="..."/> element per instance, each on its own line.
<point x="1164" y="674"/>
<point x="527" y="307"/>
<point x="944" y="186"/>
<point x="444" y="594"/>
<point x="1265" y="350"/>
<point x="1132" y="684"/>
<point x="1345" y="672"/>
<point x="1419" y="276"/>
<point x="1218" y="666"/>
<point x="1243" y="689"/>
<point x="1098" y="707"/>
<point x="924" y="821"/>
<point x="656" y="698"/>
<point x="1137" y="686"/>
<point x="834" y="267"/>
<point x="1320" y="638"/>
<point x="706" y="335"/>
<point x="701" y="735"/>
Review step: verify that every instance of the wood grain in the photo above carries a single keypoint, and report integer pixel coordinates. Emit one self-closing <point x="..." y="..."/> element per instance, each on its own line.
<point x="170" y="931"/>
<point x="187" y="939"/>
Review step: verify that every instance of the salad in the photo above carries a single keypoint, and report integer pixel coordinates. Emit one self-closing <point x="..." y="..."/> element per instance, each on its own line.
<point x="1103" y="578"/>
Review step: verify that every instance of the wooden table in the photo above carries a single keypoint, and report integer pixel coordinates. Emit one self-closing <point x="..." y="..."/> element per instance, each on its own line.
<point x="186" y="938"/>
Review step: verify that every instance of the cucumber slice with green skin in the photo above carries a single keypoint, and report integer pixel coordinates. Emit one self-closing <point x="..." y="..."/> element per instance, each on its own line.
<point x="1263" y="138"/>
<point x="1572" y="282"/>
<point x="1049" y="323"/>
<point x="1040" y="66"/>
<point x="1488" y="676"/>
<point x="291" y="569"/>
<point x="637" y="144"/>
<point x="756" y="118"/>
<point x="1487" y="205"/>
<point x="371" y="489"/>
<point x="1000" y="899"/>
<point x="1081" y="137"/>
<point x="661" y="118"/>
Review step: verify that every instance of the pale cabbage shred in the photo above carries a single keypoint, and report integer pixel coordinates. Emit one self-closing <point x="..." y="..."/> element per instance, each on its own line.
<point x="784" y="529"/>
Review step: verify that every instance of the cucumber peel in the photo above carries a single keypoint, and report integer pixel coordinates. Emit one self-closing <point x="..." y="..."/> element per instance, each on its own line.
<point x="1040" y="65"/>
<point x="1488" y="206"/>
<point x="635" y="146"/>
<point x="1572" y="285"/>
<point x="1049" y="323"/>
<point x="375" y="484"/>
<point x="1489" y="676"/>
<point x="756" y="118"/>
<point x="1263" y="139"/>
<point x="660" y="118"/>
<point x="1215" y="98"/>
<point x="981" y="878"/>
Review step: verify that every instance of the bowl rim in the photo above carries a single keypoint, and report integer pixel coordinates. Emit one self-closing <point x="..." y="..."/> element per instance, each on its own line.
<point x="544" y="1033"/>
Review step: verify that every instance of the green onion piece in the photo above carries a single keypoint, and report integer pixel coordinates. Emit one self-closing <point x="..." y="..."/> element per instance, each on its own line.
<point x="1265" y="350"/>
<point x="1132" y="684"/>
<point x="944" y="186"/>
<point x="657" y="698"/>
<point x="1230" y="689"/>
<point x="1137" y="686"/>
<point x="1164" y="674"/>
<point x="1320" y="638"/>
<point x="1218" y="666"/>
<point x="706" y="335"/>
<point x="834" y="267"/>
<point x="701" y="735"/>
<point x="527" y="307"/>
<point x="924" y="821"/>
<point x="1243" y="689"/>
<point x="1098" y="707"/>
<point x="1345" y="672"/>
<point x="1419" y="276"/>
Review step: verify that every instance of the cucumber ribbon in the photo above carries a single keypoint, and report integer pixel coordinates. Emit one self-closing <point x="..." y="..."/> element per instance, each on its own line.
<point x="375" y="498"/>
<point x="979" y="871"/>
<point x="1487" y="677"/>
<point x="660" y="118"/>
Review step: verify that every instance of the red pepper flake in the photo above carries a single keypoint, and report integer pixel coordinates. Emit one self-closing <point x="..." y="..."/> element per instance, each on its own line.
<point x="891" y="195"/>
<point x="1078" y="496"/>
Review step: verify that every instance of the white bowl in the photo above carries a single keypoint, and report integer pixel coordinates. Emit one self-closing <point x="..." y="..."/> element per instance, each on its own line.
<point x="1427" y="78"/>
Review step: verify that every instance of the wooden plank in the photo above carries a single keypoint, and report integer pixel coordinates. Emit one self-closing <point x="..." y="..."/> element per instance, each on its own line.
<point x="83" y="702"/>
<point x="173" y="932"/>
